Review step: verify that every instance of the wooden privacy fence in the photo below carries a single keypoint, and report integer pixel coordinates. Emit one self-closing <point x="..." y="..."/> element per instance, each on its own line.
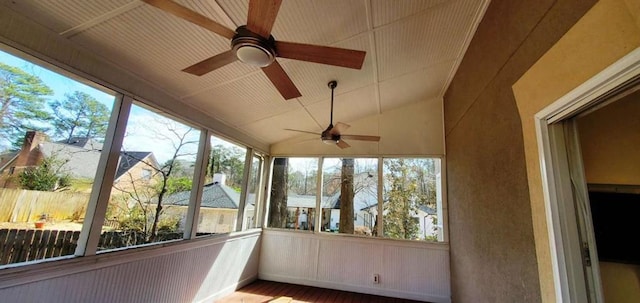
<point x="19" y="205"/>
<point x="20" y="245"/>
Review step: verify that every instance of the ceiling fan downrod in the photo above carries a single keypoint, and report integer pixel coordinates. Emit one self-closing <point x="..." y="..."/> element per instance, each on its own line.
<point x="332" y="85"/>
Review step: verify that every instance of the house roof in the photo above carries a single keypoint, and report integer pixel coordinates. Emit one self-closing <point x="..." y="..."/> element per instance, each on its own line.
<point x="214" y="195"/>
<point x="130" y="159"/>
<point x="6" y="158"/>
<point x="83" y="162"/>
<point x="80" y="162"/>
<point x="82" y="142"/>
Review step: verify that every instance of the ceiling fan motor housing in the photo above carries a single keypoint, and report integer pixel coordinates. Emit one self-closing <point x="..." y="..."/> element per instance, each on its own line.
<point x="329" y="138"/>
<point x="252" y="48"/>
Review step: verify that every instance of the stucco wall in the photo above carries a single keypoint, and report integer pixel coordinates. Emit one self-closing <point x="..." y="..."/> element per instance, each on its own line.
<point x="610" y="30"/>
<point x="493" y="244"/>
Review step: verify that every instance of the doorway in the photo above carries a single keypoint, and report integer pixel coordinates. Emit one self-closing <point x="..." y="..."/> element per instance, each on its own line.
<point x="588" y="140"/>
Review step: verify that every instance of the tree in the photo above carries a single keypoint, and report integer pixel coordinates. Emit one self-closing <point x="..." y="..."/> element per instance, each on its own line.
<point x="278" y="207"/>
<point x="228" y="161"/>
<point x="149" y="196"/>
<point x="403" y="200"/>
<point x="346" y="196"/>
<point x="47" y="176"/>
<point x="178" y="184"/>
<point x="22" y="100"/>
<point x="79" y="115"/>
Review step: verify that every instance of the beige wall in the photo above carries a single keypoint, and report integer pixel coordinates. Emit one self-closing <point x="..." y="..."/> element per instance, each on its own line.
<point x="496" y="251"/>
<point x="610" y="30"/>
<point x="610" y="140"/>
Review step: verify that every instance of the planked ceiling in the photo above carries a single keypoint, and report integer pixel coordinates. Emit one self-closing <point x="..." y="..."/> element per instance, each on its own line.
<point x="413" y="49"/>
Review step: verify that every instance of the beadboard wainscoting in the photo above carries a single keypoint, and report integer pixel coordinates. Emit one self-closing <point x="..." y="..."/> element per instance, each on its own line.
<point x="200" y="270"/>
<point x="410" y="270"/>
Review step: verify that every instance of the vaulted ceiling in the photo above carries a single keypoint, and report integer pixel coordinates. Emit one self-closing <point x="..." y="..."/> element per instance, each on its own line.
<point x="413" y="48"/>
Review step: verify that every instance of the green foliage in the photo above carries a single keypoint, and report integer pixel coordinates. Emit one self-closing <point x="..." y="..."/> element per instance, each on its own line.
<point x="406" y="192"/>
<point x="229" y="161"/>
<point x="22" y="103"/>
<point x="135" y="220"/>
<point x="45" y="177"/>
<point x="169" y="224"/>
<point x="79" y="115"/>
<point x="176" y="185"/>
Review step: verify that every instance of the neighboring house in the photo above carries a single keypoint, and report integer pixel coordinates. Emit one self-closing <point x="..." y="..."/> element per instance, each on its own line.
<point x="218" y="207"/>
<point x="79" y="158"/>
<point x="330" y="209"/>
<point x="426" y="217"/>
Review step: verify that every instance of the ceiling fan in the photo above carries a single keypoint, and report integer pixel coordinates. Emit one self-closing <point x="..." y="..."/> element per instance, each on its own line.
<point x="332" y="135"/>
<point x="253" y="44"/>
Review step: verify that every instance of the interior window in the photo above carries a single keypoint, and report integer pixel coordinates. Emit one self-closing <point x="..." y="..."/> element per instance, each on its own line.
<point x="51" y="137"/>
<point x="350" y="195"/>
<point x="152" y="186"/>
<point x="293" y="193"/>
<point x="253" y="193"/>
<point x="221" y="192"/>
<point x="412" y="203"/>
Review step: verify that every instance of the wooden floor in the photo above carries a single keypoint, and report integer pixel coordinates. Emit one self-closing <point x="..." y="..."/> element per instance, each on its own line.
<point x="266" y="291"/>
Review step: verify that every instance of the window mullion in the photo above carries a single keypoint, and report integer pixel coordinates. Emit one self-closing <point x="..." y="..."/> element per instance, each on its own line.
<point x="204" y="146"/>
<point x="319" y="188"/>
<point x="101" y="190"/>
<point x="248" y="162"/>
<point x="379" y="219"/>
<point x="266" y="189"/>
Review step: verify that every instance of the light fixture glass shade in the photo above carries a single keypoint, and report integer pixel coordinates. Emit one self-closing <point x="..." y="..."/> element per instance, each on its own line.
<point x="253" y="55"/>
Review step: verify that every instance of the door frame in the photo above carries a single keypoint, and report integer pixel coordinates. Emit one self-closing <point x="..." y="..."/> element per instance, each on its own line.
<point x="564" y="239"/>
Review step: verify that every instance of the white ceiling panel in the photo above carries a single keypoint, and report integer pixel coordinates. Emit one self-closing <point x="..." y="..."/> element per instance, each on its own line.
<point x="385" y="11"/>
<point x="402" y="90"/>
<point x="347" y="106"/>
<point x="423" y="40"/>
<point x="62" y="15"/>
<point x="321" y="22"/>
<point x="243" y="101"/>
<point x="412" y="49"/>
<point x="297" y="119"/>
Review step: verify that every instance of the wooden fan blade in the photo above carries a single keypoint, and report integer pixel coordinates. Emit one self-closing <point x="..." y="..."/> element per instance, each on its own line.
<point x="361" y="137"/>
<point x="262" y="14"/>
<point x="338" y="128"/>
<point x="281" y="81"/>
<point x="191" y="16"/>
<point x="342" y="144"/>
<point x="321" y="54"/>
<point x="302" y="131"/>
<point x="212" y="63"/>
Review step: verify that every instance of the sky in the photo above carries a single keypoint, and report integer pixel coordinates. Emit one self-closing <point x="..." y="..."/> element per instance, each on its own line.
<point x="145" y="129"/>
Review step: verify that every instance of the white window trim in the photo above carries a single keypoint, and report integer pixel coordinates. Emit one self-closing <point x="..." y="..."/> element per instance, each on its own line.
<point x="380" y="222"/>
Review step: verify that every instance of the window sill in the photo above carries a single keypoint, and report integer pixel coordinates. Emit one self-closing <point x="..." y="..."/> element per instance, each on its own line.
<point x="358" y="238"/>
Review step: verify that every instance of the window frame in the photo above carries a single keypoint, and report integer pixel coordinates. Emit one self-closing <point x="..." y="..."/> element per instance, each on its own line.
<point x="87" y="244"/>
<point x="441" y="191"/>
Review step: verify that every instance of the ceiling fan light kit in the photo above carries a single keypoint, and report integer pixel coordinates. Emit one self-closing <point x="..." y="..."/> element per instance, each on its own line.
<point x="252" y="49"/>
<point x="253" y="44"/>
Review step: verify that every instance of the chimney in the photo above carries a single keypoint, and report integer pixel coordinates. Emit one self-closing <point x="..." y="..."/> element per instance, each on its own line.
<point x="219" y="178"/>
<point x="29" y="153"/>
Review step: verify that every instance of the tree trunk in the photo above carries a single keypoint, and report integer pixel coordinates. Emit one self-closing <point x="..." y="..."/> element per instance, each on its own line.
<point x="278" y="207"/>
<point x="346" y="197"/>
